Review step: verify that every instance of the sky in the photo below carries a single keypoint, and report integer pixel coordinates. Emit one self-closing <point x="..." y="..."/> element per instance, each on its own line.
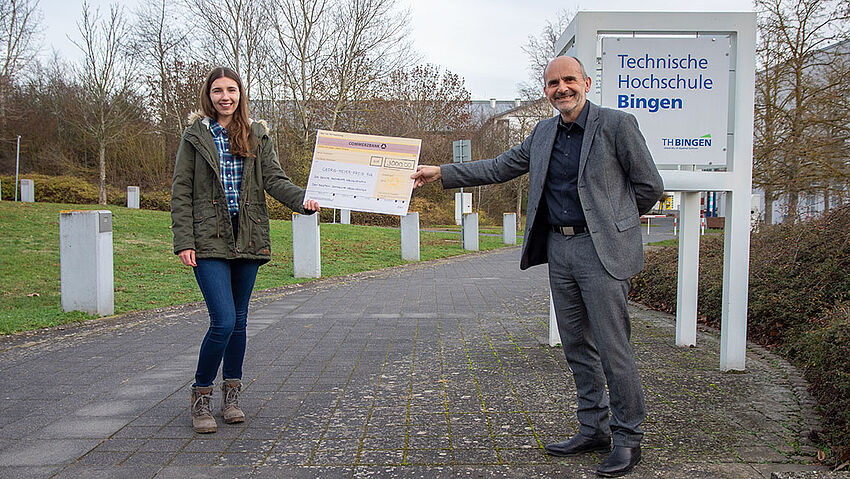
<point x="481" y="40"/>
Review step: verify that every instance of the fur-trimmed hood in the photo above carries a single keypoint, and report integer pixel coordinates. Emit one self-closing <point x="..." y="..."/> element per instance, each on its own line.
<point x="199" y="115"/>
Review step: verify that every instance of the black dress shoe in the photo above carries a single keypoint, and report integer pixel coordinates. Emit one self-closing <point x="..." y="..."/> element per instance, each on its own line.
<point x="620" y="462"/>
<point x="578" y="444"/>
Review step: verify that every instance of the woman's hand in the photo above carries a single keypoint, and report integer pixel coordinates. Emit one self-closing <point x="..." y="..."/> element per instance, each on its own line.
<point x="187" y="256"/>
<point x="311" y="205"/>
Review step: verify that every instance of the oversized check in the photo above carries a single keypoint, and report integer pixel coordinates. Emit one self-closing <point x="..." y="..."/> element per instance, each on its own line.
<point x="363" y="172"/>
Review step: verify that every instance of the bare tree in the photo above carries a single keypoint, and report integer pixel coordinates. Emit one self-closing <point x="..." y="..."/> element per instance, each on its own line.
<point x="770" y="129"/>
<point x="105" y="77"/>
<point x="19" y="39"/>
<point x="540" y="50"/>
<point x="417" y="101"/>
<point x="301" y="32"/>
<point x="798" y="37"/>
<point x="159" y="44"/>
<point x="233" y="32"/>
<point x="371" y="40"/>
<point x="326" y="58"/>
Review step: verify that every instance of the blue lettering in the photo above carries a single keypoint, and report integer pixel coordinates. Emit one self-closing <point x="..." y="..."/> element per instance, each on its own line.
<point x="650" y="104"/>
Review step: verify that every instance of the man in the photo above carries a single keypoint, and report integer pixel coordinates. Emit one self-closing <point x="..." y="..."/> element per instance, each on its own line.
<point x="591" y="176"/>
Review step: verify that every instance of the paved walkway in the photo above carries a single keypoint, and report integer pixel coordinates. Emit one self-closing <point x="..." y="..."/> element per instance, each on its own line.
<point x="433" y="369"/>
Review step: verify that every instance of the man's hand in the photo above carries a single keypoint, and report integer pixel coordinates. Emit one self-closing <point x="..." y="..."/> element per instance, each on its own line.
<point x="187" y="256"/>
<point x="426" y="174"/>
<point x="311" y="205"/>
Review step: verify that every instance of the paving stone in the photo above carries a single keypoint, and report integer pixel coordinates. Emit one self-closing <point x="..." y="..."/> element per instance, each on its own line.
<point x="45" y="452"/>
<point x="204" y="472"/>
<point x="433" y="369"/>
<point x="77" y="471"/>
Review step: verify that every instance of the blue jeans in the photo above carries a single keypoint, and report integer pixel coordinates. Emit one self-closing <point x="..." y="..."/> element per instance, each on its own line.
<point x="226" y="286"/>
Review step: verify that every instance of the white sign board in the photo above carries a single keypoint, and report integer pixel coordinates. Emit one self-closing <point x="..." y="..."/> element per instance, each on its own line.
<point x="678" y="88"/>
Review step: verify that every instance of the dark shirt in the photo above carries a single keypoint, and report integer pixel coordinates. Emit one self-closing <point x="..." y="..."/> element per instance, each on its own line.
<point x="561" y="187"/>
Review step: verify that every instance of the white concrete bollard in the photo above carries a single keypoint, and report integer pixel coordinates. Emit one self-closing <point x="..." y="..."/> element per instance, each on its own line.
<point x="466" y="199"/>
<point x="133" y="197"/>
<point x="509" y="228"/>
<point x="27" y="191"/>
<point x="345" y="217"/>
<point x="410" y="237"/>
<point x="554" y="334"/>
<point x="306" y="247"/>
<point x="85" y="261"/>
<point x="469" y="231"/>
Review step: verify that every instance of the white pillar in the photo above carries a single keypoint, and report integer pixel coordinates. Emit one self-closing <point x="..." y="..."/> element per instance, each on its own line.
<point x="736" y="272"/>
<point x="85" y="261"/>
<point x="509" y="228"/>
<point x="133" y="197"/>
<point x="345" y="216"/>
<point x="27" y="191"/>
<point x="554" y="334"/>
<point x="463" y="204"/>
<point x="469" y="231"/>
<point x="306" y="247"/>
<point x="410" y="237"/>
<point x="686" y="300"/>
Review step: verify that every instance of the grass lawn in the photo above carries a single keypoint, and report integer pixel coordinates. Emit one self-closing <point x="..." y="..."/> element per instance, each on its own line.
<point x="148" y="275"/>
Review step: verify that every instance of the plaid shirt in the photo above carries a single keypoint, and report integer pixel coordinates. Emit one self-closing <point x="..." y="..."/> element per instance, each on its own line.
<point x="231" y="167"/>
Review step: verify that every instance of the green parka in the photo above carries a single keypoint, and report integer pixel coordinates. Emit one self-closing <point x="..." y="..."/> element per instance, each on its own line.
<point x="199" y="216"/>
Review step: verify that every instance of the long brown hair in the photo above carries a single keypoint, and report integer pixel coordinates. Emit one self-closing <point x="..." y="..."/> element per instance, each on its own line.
<point x="242" y="141"/>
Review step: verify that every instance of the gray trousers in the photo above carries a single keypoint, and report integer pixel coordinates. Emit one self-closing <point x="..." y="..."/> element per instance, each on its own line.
<point x="594" y="324"/>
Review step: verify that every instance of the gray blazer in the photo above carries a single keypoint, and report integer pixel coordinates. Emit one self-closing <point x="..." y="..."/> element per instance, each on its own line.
<point x="617" y="182"/>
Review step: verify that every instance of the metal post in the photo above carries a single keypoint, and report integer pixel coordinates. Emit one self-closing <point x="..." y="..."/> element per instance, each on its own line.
<point x="17" y="166"/>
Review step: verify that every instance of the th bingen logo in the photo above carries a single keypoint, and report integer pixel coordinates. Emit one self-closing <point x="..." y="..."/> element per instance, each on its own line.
<point x="687" y="143"/>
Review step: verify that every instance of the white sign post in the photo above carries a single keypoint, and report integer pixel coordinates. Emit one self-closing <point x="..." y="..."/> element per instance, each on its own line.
<point x="628" y="55"/>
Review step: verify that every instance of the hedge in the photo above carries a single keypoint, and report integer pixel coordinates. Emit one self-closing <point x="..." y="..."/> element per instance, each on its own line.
<point x="799" y="288"/>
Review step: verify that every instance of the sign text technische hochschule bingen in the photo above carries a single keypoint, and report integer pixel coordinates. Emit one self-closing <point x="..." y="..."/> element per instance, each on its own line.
<point x="678" y="88"/>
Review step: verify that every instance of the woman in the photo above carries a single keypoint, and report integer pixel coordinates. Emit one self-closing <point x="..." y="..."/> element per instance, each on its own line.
<point x="224" y="164"/>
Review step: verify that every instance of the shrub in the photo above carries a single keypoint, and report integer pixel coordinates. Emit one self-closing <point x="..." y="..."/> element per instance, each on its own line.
<point x="155" y="200"/>
<point x="798" y="273"/>
<point x="822" y="350"/>
<point x="53" y="189"/>
<point x="433" y="213"/>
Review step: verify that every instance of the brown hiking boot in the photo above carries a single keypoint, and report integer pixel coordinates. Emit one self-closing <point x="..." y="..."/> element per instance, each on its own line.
<point x="230" y="411"/>
<point x="202" y="418"/>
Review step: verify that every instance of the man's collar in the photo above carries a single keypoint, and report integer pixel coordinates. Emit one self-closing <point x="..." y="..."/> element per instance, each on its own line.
<point x="581" y="121"/>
